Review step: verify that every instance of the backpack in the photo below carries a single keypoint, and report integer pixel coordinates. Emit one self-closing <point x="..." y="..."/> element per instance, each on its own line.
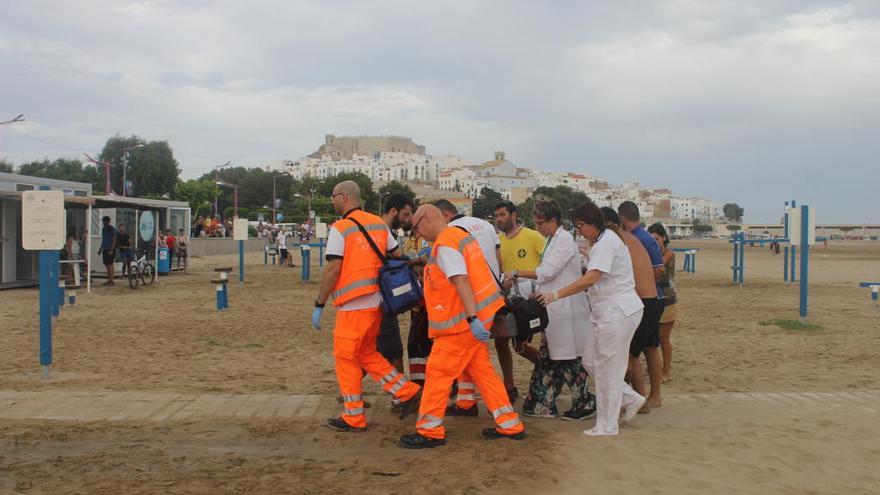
<point x="399" y="287"/>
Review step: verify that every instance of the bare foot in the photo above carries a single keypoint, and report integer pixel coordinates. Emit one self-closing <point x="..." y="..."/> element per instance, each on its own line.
<point x="653" y="402"/>
<point x="666" y="379"/>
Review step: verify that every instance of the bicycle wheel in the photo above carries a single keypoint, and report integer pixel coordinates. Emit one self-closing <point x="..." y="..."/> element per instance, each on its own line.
<point x="149" y="274"/>
<point x="133" y="277"/>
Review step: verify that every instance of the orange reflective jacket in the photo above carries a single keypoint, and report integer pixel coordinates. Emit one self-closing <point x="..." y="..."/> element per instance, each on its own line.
<point x="359" y="275"/>
<point x="446" y="313"/>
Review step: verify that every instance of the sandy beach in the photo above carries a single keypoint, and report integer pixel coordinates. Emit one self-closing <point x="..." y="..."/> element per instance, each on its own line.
<point x="752" y="407"/>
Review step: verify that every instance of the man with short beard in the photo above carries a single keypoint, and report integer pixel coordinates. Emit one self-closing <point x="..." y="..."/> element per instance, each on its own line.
<point x="397" y="211"/>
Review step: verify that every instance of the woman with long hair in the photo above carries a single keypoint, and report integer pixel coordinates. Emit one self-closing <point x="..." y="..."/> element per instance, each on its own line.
<point x="670" y="297"/>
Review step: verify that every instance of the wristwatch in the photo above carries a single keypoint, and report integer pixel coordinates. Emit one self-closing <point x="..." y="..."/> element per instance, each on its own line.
<point x="319" y="305"/>
<point x="471" y="318"/>
<point x="515" y="274"/>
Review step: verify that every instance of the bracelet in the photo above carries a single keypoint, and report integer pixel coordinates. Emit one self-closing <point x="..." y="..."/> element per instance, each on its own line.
<point x="515" y="274"/>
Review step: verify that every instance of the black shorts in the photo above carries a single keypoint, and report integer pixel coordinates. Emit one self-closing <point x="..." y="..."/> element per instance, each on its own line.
<point x="648" y="332"/>
<point x="108" y="255"/>
<point x="283" y="253"/>
<point x="388" y="342"/>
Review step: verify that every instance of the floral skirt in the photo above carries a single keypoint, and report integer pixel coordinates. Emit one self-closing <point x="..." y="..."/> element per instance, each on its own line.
<point x="548" y="377"/>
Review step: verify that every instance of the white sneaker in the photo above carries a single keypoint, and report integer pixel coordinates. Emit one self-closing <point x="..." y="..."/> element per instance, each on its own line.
<point x="630" y="411"/>
<point x="595" y="432"/>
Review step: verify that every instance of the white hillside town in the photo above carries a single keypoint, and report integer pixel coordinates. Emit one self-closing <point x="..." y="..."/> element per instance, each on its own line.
<point x="394" y="158"/>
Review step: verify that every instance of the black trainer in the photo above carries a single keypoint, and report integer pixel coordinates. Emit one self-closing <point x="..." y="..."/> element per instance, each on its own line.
<point x="410" y="406"/>
<point x="417" y="441"/>
<point x="454" y="410"/>
<point x="339" y="424"/>
<point x="492" y="434"/>
<point x="512" y="394"/>
<point x="578" y="415"/>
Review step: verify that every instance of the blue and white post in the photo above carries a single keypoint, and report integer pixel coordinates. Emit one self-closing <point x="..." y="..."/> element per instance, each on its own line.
<point x="807" y="237"/>
<point x="240" y="262"/>
<point x="792" y="270"/>
<point x="306" y="261"/>
<point x="240" y="234"/>
<point x="42" y="229"/>
<point x="785" y="235"/>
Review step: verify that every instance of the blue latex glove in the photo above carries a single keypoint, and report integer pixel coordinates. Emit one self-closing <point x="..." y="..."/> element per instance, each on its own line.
<point x="479" y="331"/>
<point x="316" y="318"/>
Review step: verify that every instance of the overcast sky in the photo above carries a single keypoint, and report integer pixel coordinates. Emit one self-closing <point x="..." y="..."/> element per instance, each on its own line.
<point x="752" y="102"/>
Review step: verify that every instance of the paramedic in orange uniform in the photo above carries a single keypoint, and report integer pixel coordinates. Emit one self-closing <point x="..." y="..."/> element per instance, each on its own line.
<point x="462" y="299"/>
<point x="351" y="276"/>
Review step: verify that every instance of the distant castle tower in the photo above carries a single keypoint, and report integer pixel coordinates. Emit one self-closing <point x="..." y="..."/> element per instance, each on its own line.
<point x="344" y="147"/>
<point x="499" y="155"/>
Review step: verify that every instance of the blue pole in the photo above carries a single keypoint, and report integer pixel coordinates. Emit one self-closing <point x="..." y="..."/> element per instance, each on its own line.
<point x="785" y="234"/>
<point x="321" y="252"/>
<point x="792" y="271"/>
<point x="735" y="258"/>
<point x="694" y="262"/>
<point x="219" y="297"/>
<point x="266" y="255"/>
<point x="240" y="262"/>
<point x="45" y="312"/>
<point x="53" y="280"/>
<point x="805" y="258"/>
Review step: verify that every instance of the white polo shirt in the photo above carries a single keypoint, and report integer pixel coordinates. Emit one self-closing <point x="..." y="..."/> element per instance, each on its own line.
<point x="487" y="238"/>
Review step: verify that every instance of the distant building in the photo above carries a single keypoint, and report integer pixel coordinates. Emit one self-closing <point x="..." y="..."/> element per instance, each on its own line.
<point x="345" y="147"/>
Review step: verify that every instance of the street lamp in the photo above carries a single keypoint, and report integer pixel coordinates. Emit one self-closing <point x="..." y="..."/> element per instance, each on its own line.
<point x="19" y="118"/>
<point x="106" y="165"/>
<point x="217" y="179"/>
<point x="274" y="196"/>
<point x="234" y="196"/>
<point x="125" y="166"/>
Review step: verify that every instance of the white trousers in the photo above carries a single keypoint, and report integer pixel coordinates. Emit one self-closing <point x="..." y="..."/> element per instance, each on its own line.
<point x="606" y="355"/>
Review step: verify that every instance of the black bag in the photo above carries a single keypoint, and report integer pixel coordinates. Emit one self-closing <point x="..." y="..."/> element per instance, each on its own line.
<point x="527" y="315"/>
<point x="399" y="287"/>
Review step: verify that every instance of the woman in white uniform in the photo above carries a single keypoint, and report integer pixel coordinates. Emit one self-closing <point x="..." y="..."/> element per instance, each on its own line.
<point x="561" y="350"/>
<point x="616" y="312"/>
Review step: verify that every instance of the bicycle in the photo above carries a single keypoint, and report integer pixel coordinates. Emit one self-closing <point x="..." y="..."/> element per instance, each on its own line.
<point x="142" y="271"/>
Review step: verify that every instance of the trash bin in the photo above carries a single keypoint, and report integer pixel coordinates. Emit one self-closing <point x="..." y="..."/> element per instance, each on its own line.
<point x="164" y="265"/>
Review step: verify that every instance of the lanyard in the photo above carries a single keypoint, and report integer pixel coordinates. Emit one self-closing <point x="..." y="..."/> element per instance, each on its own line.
<point x="546" y="245"/>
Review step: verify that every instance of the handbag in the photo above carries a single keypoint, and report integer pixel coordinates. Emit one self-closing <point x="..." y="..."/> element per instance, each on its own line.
<point x="399" y="287"/>
<point x="520" y="318"/>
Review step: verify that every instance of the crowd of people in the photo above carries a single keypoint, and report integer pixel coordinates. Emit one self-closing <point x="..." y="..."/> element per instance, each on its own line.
<point x="607" y="284"/>
<point x="211" y="227"/>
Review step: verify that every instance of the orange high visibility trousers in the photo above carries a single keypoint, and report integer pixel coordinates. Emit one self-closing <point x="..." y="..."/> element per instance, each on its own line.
<point x="354" y="347"/>
<point x="452" y="356"/>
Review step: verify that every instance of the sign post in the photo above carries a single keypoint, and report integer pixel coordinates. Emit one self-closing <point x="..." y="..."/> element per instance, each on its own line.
<point x="804" y="235"/>
<point x="321" y="234"/>
<point x="42" y="229"/>
<point x="240" y="234"/>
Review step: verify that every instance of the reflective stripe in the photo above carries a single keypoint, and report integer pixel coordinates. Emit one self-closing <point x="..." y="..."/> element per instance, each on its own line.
<point x="466" y="397"/>
<point x="429" y="422"/>
<point x="509" y="424"/>
<point x="417" y="376"/>
<point x="355" y="285"/>
<point x="397" y="386"/>
<point x="462" y="385"/>
<point x="352" y="398"/>
<point x="419" y="361"/>
<point x="369" y="228"/>
<point x="354" y="412"/>
<point x="390" y="376"/>
<point x="447" y="324"/>
<point x="502" y="410"/>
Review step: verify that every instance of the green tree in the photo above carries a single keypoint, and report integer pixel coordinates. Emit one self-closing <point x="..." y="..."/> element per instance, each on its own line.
<point x="64" y="169"/>
<point x="567" y="198"/>
<point x="369" y="197"/>
<point x="484" y="205"/>
<point x="151" y="168"/>
<point x="199" y="194"/>
<point x="733" y="212"/>
<point x="6" y="167"/>
<point x="734" y="228"/>
<point x="395" y="187"/>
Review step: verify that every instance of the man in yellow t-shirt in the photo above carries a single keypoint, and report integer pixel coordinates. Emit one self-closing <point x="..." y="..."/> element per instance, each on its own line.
<point x="521" y="249"/>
